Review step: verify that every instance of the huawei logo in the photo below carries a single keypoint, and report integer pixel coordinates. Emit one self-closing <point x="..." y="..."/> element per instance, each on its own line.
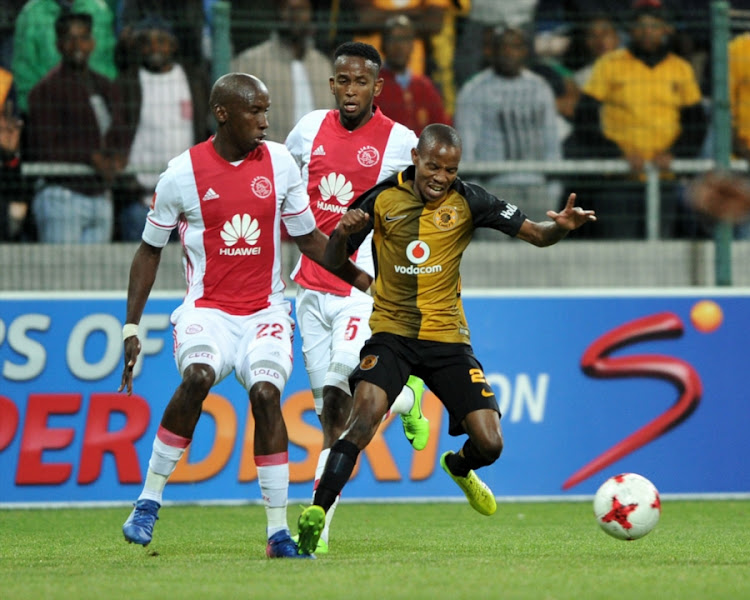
<point x="241" y="227"/>
<point x="336" y="186"/>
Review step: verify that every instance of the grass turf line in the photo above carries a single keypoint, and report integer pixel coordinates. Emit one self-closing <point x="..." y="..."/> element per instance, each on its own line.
<point x="700" y="549"/>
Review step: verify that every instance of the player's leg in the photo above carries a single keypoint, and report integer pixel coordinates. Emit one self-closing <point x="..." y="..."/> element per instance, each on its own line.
<point x="378" y="379"/>
<point x="264" y="364"/>
<point x="314" y="324"/>
<point x="350" y="330"/>
<point x="201" y="360"/>
<point x="473" y="409"/>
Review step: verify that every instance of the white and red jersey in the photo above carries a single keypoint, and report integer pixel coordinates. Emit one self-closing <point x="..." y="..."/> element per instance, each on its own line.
<point x="337" y="166"/>
<point x="229" y="217"/>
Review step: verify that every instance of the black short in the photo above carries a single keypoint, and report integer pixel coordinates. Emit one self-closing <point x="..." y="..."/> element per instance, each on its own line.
<point x="451" y="371"/>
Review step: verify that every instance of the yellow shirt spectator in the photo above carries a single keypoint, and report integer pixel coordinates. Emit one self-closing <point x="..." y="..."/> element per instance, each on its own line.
<point x="739" y="87"/>
<point x="640" y="104"/>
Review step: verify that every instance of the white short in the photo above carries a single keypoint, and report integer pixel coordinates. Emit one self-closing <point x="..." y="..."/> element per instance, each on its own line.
<point x="333" y="329"/>
<point x="257" y="347"/>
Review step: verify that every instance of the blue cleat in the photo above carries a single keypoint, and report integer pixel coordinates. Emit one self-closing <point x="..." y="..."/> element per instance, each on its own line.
<point x="281" y="545"/>
<point x="139" y="528"/>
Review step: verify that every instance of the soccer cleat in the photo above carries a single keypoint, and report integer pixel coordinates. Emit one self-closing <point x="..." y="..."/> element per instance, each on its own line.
<point x="310" y="526"/>
<point x="321" y="548"/>
<point x="281" y="545"/>
<point x="477" y="492"/>
<point x="416" y="426"/>
<point x="139" y="528"/>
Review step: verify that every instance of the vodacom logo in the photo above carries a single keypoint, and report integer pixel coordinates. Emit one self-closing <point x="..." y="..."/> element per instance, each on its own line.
<point x="417" y="252"/>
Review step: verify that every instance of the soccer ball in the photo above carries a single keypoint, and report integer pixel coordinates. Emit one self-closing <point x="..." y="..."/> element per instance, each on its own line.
<point x="627" y="506"/>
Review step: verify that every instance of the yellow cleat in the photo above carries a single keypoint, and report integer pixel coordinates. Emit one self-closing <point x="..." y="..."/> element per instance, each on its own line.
<point x="416" y="426"/>
<point x="310" y="525"/>
<point x="477" y="492"/>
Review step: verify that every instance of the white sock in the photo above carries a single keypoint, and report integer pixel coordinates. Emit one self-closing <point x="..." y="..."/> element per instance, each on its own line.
<point x="329" y="513"/>
<point x="329" y="518"/>
<point x="273" y="478"/>
<point x="404" y="401"/>
<point x="161" y="465"/>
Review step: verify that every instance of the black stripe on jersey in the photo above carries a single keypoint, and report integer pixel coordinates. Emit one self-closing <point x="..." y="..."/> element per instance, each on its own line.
<point x="488" y="210"/>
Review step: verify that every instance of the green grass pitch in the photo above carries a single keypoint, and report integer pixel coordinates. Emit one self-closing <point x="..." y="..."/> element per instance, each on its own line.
<point x="548" y="551"/>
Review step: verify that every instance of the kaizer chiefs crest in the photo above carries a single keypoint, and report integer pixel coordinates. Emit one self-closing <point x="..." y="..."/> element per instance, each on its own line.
<point x="368" y="362"/>
<point x="445" y="217"/>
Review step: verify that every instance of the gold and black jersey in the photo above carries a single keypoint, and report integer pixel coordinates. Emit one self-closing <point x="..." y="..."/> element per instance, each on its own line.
<point x="417" y="249"/>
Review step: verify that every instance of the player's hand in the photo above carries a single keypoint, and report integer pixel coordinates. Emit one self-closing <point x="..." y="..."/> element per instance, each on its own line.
<point x="353" y="221"/>
<point x="132" y="350"/>
<point x="572" y="216"/>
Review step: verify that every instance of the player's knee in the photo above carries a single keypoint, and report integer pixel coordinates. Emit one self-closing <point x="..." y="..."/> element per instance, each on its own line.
<point x="337" y="407"/>
<point x="492" y="449"/>
<point x="197" y="380"/>
<point x="265" y="401"/>
<point x="489" y="447"/>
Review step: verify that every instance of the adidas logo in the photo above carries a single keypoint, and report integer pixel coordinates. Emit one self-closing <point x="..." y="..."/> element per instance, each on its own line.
<point x="210" y="195"/>
<point x="319" y="151"/>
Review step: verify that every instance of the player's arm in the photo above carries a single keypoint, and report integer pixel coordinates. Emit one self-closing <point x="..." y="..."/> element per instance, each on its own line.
<point x="314" y="244"/>
<point x="550" y="232"/>
<point x="142" y="276"/>
<point x="337" y="251"/>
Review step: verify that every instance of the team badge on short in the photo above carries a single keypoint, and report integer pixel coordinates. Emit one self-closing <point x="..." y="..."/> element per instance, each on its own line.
<point x="261" y="186"/>
<point x="445" y="217"/>
<point x="368" y="156"/>
<point x="368" y="362"/>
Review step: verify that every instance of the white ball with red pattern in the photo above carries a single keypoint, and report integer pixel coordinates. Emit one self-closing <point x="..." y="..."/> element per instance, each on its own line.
<point x="627" y="506"/>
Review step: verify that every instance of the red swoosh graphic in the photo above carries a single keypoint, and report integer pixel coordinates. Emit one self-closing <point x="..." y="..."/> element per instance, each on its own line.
<point x="596" y="363"/>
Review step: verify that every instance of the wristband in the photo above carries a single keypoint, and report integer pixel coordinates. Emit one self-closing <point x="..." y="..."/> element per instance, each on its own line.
<point x="129" y="330"/>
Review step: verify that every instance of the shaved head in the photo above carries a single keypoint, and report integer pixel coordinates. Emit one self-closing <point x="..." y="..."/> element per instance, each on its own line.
<point x="439" y="134"/>
<point x="239" y="103"/>
<point x="234" y="87"/>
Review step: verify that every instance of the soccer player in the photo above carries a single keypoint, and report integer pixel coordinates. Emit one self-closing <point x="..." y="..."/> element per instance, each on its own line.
<point x="341" y="154"/>
<point x="228" y="196"/>
<point x="423" y="219"/>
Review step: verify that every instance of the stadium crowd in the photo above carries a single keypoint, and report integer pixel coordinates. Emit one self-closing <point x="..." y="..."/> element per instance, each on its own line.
<point x="126" y="88"/>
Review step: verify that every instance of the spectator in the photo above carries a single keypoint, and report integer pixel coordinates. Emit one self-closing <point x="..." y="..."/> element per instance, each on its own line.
<point x="427" y="14"/>
<point x="594" y="38"/>
<point x="13" y="208"/>
<point x="292" y="67"/>
<point x="186" y="17"/>
<point x="435" y="43"/>
<point x="506" y="112"/>
<point x="564" y="88"/>
<point x="473" y="40"/>
<point x="739" y="97"/>
<point x="35" y="50"/>
<point x="9" y="10"/>
<point x="406" y="97"/>
<point x="739" y="94"/>
<point x="166" y="107"/>
<point x="335" y="21"/>
<point x="76" y="116"/>
<point x="645" y="106"/>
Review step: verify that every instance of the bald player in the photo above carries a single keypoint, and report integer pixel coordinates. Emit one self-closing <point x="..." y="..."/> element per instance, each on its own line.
<point x="227" y="196"/>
